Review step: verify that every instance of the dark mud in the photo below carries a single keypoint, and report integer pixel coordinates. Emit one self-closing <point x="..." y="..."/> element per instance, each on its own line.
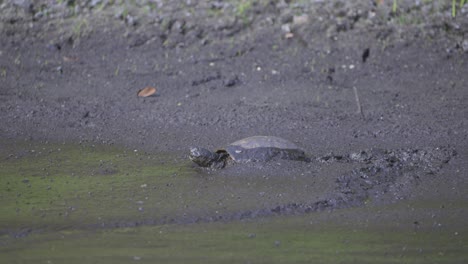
<point x="332" y="76"/>
<point x="382" y="176"/>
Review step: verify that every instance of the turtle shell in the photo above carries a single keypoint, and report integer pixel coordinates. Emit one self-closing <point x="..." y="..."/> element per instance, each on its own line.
<point x="264" y="148"/>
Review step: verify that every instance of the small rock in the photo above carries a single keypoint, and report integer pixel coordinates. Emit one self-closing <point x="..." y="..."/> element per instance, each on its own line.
<point x="465" y="45"/>
<point x="95" y="3"/>
<point x="131" y="20"/>
<point x="300" y="20"/>
<point x="229" y="82"/>
<point x="22" y="3"/>
<point x="286" y="28"/>
<point x="178" y="26"/>
<point x="288" y="35"/>
<point x="282" y="4"/>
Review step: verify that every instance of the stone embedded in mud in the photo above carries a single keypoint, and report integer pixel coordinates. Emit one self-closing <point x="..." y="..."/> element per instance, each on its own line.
<point x="286" y="28"/>
<point x="465" y="45"/>
<point x="300" y="20"/>
<point x="232" y="81"/>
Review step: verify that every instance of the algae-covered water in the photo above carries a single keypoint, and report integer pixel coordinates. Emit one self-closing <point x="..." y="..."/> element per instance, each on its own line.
<point x="63" y="203"/>
<point x="289" y="240"/>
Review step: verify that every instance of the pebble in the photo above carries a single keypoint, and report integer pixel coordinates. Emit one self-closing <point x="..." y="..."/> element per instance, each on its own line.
<point x="465" y="45"/>
<point x="300" y="20"/>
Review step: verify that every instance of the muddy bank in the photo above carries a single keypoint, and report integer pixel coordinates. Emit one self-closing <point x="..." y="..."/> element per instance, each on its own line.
<point x="76" y="77"/>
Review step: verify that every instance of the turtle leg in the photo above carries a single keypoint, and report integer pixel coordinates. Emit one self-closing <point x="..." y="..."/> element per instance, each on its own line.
<point x="221" y="161"/>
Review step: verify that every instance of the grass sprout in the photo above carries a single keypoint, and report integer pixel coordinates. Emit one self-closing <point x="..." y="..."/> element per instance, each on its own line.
<point x="454" y="6"/>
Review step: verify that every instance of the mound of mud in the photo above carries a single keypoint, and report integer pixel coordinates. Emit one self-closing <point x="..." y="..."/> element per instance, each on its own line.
<point x="382" y="176"/>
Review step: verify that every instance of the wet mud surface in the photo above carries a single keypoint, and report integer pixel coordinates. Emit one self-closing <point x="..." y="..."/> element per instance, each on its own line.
<point x="377" y="175"/>
<point x="377" y="99"/>
<point x="54" y="186"/>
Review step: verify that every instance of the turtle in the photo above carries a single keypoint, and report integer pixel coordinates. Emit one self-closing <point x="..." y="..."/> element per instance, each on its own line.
<point x="255" y="148"/>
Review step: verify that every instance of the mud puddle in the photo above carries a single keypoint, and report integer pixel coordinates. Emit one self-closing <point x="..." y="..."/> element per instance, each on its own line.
<point x="53" y="186"/>
<point x="100" y="199"/>
<point x="57" y="186"/>
<point x="357" y="235"/>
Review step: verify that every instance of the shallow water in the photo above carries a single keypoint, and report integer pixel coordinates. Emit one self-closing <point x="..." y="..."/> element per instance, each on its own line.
<point x="86" y="203"/>
<point x="318" y="238"/>
<point x="56" y="186"/>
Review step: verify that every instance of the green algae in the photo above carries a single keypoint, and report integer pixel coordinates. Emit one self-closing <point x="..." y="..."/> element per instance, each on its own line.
<point x="53" y="186"/>
<point x="301" y="239"/>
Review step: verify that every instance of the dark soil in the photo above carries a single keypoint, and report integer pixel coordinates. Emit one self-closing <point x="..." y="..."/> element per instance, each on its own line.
<point x="349" y="81"/>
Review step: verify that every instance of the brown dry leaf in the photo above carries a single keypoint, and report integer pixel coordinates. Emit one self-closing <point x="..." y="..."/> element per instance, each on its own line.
<point x="147" y="91"/>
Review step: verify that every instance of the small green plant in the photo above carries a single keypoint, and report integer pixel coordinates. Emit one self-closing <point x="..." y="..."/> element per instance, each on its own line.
<point x="81" y="28"/>
<point x="454" y="6"/>
<point x="242" y="10"/>
<point x="243" y="7"/>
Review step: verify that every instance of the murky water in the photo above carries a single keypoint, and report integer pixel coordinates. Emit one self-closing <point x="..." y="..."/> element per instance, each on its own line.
<point x="100" y="204"/>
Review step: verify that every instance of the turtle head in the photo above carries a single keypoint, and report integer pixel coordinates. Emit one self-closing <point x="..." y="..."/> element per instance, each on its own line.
<point x="206" y="158"/>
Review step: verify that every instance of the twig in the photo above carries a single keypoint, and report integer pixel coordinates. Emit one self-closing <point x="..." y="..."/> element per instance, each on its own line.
<point x="359" y="108"/>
